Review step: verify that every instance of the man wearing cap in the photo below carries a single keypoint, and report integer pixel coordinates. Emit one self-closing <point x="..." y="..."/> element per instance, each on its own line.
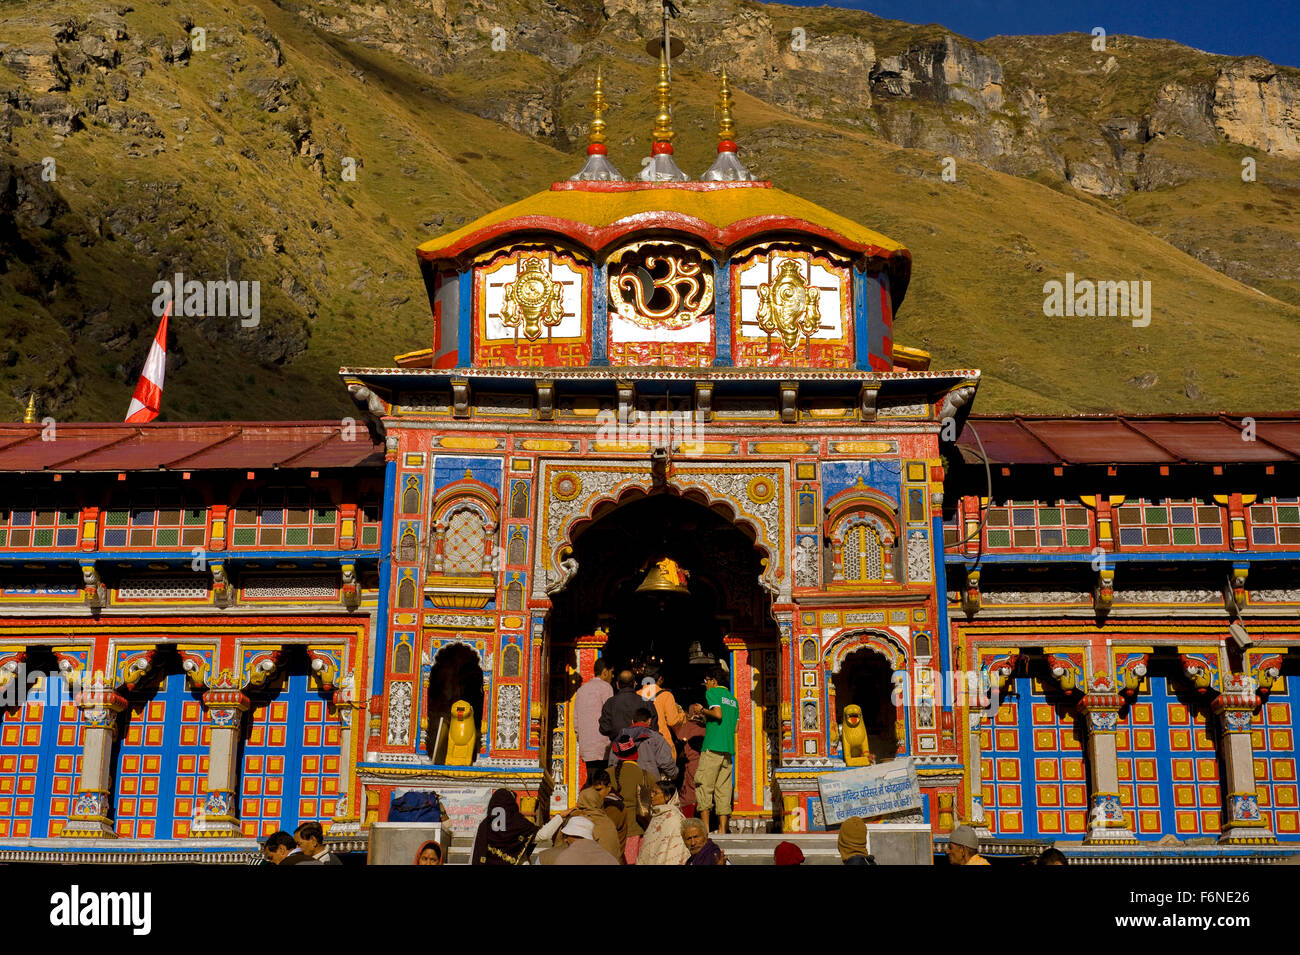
<point x="964" y="846"/>
<point x="580" y="834"/>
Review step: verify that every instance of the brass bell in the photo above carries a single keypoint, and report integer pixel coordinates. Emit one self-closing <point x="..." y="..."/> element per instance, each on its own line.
<point x="665" y="577"/>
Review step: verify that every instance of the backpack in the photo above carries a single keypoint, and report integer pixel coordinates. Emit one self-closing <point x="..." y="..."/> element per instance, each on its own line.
<point x="638" y="784"/>
<point x="415" y="805"/>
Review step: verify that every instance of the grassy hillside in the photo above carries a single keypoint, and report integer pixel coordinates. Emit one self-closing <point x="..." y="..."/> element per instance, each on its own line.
<point x="227" y="162"/>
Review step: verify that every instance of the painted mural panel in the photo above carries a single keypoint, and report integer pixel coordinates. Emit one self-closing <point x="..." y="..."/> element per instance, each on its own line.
<point x="291" y="760"/>
<point x="1033" y="770"/>
<point x="661" y="303"/>
<point x="1168" y="767"/>
<point x="532" y="307"/>
<point x="1273" y="738"/>
<point x="791" y="307"/>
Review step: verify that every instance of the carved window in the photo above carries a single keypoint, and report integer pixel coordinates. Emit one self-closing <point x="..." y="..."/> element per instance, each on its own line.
<point x="35" y="520"/>
<point x="1168" y="523"/>
<point x="808" y="651"/>
<point x="285" y="517"/>
<point x="407" y="550"/>
<point x="514" y="596"/>
<point x="411" y="496"/>
<point x="517" y="552"/>
<point x="1275" y="521"/>
<point x="154" y="517"/>
<point x="510" y="661"/>
<point x="402" y="658"/>
<point x="1035" y="524"/>
<point x="406" y="592"/>
<point x="863" y="555"/>
<point x="807" y="508"/>
<point x="464" y="543"/>
<point x="922" y="648"/>
<point x="371" y="515"/>
<point x="519" y="500"/>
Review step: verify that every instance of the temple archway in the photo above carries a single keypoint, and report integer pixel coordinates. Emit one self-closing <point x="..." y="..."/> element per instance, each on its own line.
<point x="681" y="633"/>
<point x="866" y="677"/>
<point x="456" y="675"/>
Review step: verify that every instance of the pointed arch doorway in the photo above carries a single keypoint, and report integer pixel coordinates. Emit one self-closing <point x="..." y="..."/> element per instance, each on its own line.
<point x="723" y="618"/>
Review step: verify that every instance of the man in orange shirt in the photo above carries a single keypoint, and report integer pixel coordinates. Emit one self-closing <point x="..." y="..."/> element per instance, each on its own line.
<point x="665" y="704"/>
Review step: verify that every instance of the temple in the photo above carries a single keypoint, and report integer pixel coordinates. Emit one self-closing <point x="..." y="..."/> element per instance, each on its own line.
<point x="666" y="421"/>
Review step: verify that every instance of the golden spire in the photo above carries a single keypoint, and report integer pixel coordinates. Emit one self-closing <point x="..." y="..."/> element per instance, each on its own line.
<point x="598" y="107"/>
<point x="29" y="416"/>
<point x="727" y="167"/>
<point x="598" y="167"/>
<point x="726" y="125"/>
<point x="663" y="131"/>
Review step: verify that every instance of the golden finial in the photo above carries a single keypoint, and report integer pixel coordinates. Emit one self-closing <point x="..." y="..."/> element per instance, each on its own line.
<point x="663" y="131"/>
<point x="598" y="107"/>
<point x="726" y="125"/>
<point x="29" y="416"/>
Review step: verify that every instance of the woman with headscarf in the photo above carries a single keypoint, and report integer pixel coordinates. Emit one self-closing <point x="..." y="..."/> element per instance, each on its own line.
<point x="852" y="842"/>
<point x="662" y="843"/>
<point x="591" y="805"/>
<point x="429" y="854"/>
<point x="506" y="835"/>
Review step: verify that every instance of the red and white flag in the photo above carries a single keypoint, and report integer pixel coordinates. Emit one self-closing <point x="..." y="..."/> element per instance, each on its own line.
<point x="147" y="400"/>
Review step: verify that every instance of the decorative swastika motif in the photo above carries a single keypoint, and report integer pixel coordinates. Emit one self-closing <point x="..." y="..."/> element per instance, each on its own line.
<point x="291" y="760"/>
<point x="163" y="734"/>
<point x="1273" y="738"/>
<point x="1040" y="790"/>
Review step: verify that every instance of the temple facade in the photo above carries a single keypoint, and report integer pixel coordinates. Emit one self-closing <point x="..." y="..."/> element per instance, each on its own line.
<point x="1080" y="630"/>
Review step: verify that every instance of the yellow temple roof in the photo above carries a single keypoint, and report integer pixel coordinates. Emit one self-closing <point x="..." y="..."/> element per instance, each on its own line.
<point x="721" y="214"/>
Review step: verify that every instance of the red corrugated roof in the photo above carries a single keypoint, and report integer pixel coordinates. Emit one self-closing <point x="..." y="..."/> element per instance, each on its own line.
<point x="1133" y="439"/>
<point x="187" y="446"/>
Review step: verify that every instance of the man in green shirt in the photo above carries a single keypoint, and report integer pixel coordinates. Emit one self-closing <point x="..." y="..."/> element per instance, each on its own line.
<point x="714" y="778"/>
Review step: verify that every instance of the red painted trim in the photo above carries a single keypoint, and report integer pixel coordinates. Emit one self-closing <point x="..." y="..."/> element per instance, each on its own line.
<point x="597" y="149"/>
<point x="637" y="186"/>
<point x="727" y="146"/>
<point x="660" y="149"/>
<point x="595" y="239"/>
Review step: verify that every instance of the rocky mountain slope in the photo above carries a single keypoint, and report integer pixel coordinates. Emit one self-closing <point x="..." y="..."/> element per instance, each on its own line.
<point x="130" y="150"/>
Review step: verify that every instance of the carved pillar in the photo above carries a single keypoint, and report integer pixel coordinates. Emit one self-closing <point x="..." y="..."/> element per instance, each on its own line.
<point x="225" y="711"/>
<point x="1243" y="823"/>
<point x="218" y="514"/>
<point x="90" y="528"/>
<point x="975" y="717"/>
<point x="347" y="816"/>
<point x="100" y="707"/>
<point x="970" y="511"/>
<point x="1101" y="706"/>
<point x="348" y="525"/>
<point x="589" y="649"/>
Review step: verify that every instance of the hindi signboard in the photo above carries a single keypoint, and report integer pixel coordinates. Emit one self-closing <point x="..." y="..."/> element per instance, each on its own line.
<point x="869" y="791"/>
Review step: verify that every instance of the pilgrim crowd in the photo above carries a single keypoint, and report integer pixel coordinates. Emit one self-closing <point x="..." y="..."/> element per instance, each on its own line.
<point x="657" y="779"/>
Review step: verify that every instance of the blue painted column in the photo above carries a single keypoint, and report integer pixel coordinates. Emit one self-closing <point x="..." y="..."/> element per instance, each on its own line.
<point x="722" y="314"/>
<point x="465" y="323"/>
<point x="600" y="314"/>
<point x="379" y="659"/>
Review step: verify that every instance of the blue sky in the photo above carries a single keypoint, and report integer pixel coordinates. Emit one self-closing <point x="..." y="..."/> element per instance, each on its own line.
<point x="1267" y="28"/>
